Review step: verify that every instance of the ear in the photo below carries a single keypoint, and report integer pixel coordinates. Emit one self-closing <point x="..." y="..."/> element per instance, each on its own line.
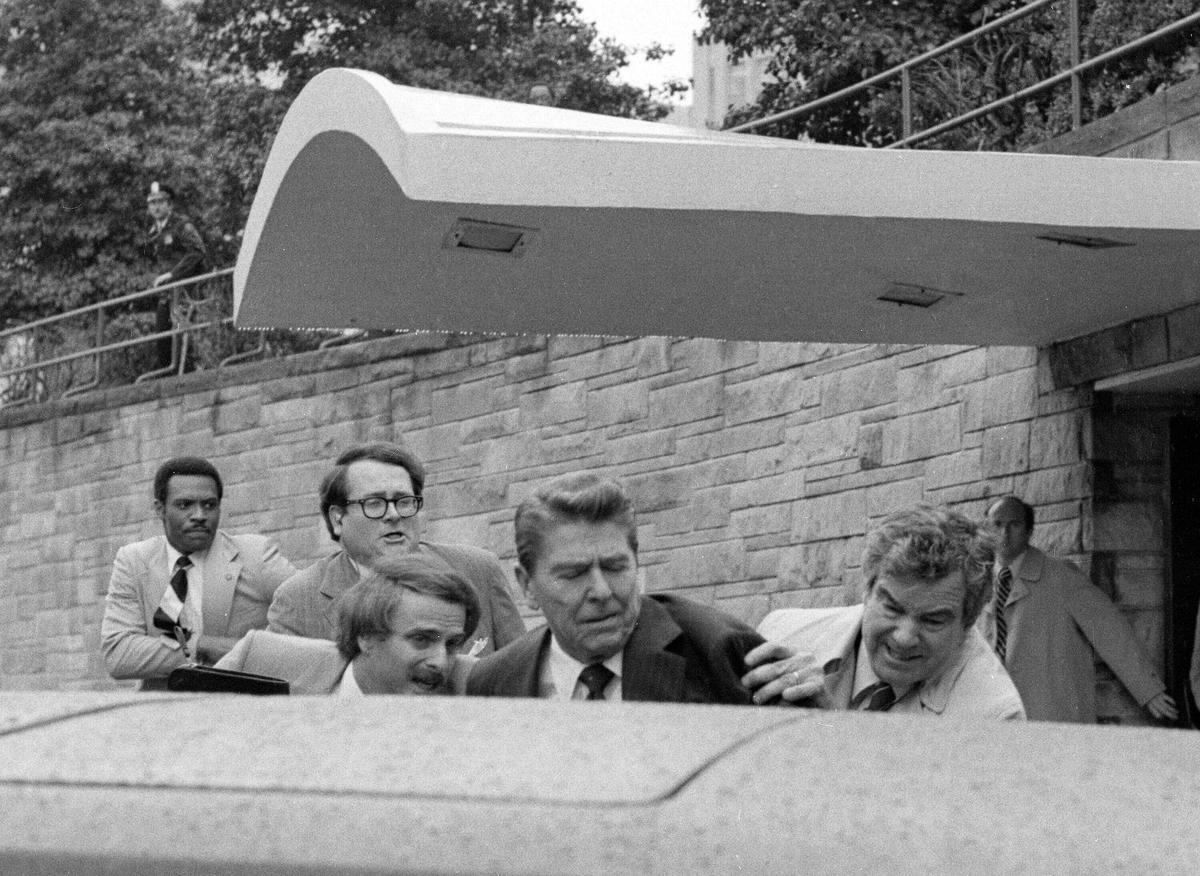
<point x="160" y="509"/>
<point x="526" y="584"/>
<point x="366" y="644"/>
<point x="336" y="515"/>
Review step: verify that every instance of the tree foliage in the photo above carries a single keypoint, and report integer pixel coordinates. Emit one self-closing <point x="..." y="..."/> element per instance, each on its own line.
<point x="821" y="46"/>
<point x="79" y="125"/>
<point x="99" y="97"/>
<point x="497" y="48"/>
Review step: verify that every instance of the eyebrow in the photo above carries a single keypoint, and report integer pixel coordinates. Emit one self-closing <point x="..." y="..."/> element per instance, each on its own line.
<point x="566" y="565"/>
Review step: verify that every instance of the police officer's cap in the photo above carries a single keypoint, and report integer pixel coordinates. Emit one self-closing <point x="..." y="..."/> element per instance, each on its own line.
<point x="159" y="191"/>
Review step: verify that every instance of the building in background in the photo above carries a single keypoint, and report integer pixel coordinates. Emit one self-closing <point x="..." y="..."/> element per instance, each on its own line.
<point x="719" y="84"/>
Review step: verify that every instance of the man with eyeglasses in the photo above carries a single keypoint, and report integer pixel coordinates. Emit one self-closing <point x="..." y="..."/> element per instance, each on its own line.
<point x="370" y="502"/>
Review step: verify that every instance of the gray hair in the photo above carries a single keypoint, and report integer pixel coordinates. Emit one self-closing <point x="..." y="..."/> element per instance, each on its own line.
<point x="927" y="543"/>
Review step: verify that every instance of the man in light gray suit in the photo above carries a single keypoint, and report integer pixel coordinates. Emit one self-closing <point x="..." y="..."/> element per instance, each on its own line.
<point x="1048" y="623"/>
<point x="370" y="502"/>
<point x="186" y="596"/>
<point x="911" y="646"/>
<point x="399" y="631"/>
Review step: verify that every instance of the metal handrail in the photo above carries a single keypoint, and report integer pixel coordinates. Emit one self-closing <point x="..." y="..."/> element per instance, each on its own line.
<point x="903" y="69"/>
<point x="1071" y="72"/>
<point x="33" y="381"/>
<point x="111" y="303"/>
<point x="893" y="72"/>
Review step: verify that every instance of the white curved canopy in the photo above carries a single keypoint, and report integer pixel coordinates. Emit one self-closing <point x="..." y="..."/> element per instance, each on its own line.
<point x="383" y="206"/>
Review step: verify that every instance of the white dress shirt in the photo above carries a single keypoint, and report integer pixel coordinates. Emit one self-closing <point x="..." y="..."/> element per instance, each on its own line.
<point x="560" y="676"/>
<point x="192" y="617"/>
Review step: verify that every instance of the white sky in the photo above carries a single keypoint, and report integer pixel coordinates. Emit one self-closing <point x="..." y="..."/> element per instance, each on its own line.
<point x="637" y="23"/>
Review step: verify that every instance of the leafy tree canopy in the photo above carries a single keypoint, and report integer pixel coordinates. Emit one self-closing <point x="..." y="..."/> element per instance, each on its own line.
<point x="818" y="47"/>
<point x="99" y="97"/>
<point x="497" y="48"/>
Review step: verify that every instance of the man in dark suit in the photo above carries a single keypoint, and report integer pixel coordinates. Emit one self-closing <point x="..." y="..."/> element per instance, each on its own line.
<point x="186" y="595"/>
<point x="177" y="251"/>
<point x="370" y="502"/>
<point x="577" y="561"/>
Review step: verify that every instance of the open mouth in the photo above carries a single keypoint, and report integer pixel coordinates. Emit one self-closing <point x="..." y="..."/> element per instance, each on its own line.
<point x="902" y="657"/>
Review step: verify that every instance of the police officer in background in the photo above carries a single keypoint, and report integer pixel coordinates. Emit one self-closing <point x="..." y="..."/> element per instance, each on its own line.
<point x="177" y="250"/>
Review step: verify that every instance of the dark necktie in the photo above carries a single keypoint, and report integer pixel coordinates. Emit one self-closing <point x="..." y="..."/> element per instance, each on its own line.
<point x="595" y="677"/>
<point x="170" y="608"/>
<point x="1003" y="586"/>
<point x="879" y="697"/>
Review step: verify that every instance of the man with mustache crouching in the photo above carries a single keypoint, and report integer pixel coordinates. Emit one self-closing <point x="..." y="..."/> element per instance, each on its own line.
<point x="188" y="595"/>
<point x="399" y="630"/>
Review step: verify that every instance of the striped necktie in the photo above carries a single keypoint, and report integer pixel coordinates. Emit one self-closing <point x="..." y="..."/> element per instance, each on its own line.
<point x="168" y="615"/>
<point x="1003" y="587"/>
<point x="595" y="677"/>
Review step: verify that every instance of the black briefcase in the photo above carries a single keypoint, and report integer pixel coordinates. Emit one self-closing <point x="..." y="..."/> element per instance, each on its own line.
<point x="206" y="679"/>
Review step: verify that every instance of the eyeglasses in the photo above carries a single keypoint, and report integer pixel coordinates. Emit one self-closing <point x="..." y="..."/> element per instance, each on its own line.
<point x="376" y="507"/>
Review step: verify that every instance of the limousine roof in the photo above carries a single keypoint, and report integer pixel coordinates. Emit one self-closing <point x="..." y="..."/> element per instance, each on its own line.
<point x="383" y="206"/>
<point x="161" y="783"/>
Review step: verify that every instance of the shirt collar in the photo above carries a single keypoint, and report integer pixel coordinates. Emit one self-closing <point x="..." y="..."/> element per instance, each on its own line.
<point x="564" y="669"/>
<point x="1015" y="565"/>
<point x="348" y="686"/>
<point x="197" y="557"/>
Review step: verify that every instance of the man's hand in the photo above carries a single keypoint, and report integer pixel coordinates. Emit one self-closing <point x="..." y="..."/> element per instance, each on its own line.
<point x="778" y="671"/>
<point x="1162" y="707"/>
<point x="162" y="278"/>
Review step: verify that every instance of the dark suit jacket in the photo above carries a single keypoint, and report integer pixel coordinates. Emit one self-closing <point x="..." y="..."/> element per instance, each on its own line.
<point x="679" y="652"/>
<point x="304" y="605"/>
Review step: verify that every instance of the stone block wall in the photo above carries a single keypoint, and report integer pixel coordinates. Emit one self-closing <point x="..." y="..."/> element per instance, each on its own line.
<point x="757" y="467"/>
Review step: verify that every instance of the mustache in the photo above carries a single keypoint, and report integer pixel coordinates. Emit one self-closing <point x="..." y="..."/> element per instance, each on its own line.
<point x="430" y="676"/>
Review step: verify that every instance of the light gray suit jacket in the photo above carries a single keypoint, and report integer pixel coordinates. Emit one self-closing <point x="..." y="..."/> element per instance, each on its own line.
<point x="974" y="686"/>
<point x="305" y="604"/>
<point x="241" y="574"/>
<point x="1055" y="618"/>
<point x="310" y="666"/>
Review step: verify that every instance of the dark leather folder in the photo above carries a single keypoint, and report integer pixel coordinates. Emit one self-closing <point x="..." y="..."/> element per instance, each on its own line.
<point x="206" y="679"/>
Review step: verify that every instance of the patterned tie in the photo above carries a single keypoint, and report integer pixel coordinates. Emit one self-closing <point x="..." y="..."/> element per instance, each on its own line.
<point x="595" y="677"/>
<point x="1003" y="586"/>
<point x="170" y="609"/>
<point x="879" y="697"/>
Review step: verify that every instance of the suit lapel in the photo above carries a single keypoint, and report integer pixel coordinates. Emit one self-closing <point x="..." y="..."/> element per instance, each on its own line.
<point x="837" y="655"/>
<point x="222" y="569"/>
<point x="649" y="670"/>
<point x="524" y="677"/>
<point x="1031" y="573"/>
<point x="158" y="572"/>
<point x="342" y="576"/>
